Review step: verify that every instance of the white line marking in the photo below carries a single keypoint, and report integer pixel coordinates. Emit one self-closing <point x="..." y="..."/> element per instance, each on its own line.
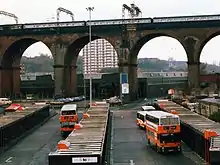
<point x="131" y="162"/>
<point x="9" y="160"/>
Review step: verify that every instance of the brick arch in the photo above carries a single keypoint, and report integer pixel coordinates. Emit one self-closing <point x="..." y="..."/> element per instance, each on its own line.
<point x="146" y="38"/>
<point x="70" y="60"/>
<point x="78" y="44"/>
<point x="10" y="65"/>
<point x="207" y="39"/>
<point x="13" y="53"/>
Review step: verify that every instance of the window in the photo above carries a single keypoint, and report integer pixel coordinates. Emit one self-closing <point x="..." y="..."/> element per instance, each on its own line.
<point x="152" y="119"/>
<point x="169" y="121"/>
<point x="69" y="112"/>
<point x="141" y="117"/>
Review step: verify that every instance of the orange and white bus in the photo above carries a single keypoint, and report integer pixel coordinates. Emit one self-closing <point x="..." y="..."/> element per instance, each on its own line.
<point x="141" y="119"/>
<point x="141" y="115"/>
<point x="68" y="118"/>
<point x="163" y="131"/>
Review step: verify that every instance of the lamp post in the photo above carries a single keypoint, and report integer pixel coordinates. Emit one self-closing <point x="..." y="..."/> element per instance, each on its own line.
<point x="90" y="9"/>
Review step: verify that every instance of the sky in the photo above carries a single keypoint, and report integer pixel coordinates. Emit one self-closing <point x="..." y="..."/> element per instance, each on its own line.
<point x="45" y="10"/>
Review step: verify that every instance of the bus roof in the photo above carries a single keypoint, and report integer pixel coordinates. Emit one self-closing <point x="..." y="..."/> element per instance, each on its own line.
<point x="69" y="107"/>
<point x="147" y="107"/>
<point x="160" y="114"/>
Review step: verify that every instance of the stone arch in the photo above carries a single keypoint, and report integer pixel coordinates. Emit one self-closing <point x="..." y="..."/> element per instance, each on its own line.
<point x="206" y="40"/>
<point x="10" y="66"/>
<point x="77" y="45"/>
<point x="192" y="46"/>
<point x="143" y="40"/>
<point x="71" y="56"/>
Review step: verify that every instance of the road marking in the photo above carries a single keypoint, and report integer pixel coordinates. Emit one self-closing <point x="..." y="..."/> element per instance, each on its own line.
<point x="9" y="160"/>
<point x="131" y="162"/>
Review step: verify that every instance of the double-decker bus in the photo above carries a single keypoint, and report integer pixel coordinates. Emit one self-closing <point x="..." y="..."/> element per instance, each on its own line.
<point x="141" y="119"/>
<point x="68" y="118"/>
<point x="163" y="131"/>
<point x="141" y="115"/>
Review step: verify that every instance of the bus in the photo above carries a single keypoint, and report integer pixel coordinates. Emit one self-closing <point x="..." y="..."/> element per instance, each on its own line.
<point x="141" y="115"/>
<point x="163" y="131"/>
<point x="147" y="108"/>
<point x="141" y="119"/>
<point x="68" y="118"/>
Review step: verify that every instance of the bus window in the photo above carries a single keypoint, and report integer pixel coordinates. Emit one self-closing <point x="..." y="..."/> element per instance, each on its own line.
<point x="169" y="121"/>
<point x="152" y="119"/>
<point x="168" y="138"/>
<point x="69" y="112"/>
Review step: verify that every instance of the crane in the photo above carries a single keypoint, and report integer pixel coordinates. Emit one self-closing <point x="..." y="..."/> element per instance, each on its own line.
<point x="9" y="15"/>
<point x="134" y="11"/>
<point x="60" y="9"/>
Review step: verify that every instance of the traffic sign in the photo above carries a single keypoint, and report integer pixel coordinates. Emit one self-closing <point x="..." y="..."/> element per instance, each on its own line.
<point x="123" y="78"/>
<point x="125" y="88"/>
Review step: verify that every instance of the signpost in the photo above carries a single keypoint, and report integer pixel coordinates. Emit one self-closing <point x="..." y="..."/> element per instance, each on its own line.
<point x="124" y="85"/>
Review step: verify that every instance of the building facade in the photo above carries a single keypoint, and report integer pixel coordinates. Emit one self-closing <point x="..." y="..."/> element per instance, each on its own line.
<point x="102" y="54"/>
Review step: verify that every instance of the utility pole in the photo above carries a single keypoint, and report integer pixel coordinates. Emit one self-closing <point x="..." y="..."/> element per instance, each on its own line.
<point x="90" y="9"/>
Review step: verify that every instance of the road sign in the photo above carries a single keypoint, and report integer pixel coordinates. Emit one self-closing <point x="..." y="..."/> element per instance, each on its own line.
<point x="125" y="88"/>
<point x="93" y="75"/>
<point x="123" y="78"/>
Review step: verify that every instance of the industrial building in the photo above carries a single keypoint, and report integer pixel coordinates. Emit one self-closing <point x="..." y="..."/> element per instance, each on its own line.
<point x="150" y="84"/>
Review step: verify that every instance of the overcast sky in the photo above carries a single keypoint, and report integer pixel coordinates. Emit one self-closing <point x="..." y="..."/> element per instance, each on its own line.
<point x="44" y="10"/>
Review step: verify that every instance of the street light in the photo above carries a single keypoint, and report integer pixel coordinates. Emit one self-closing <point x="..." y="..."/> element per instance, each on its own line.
<point x="90" y="9"/>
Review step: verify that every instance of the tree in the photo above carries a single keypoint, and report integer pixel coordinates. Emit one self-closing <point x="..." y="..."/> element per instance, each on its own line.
<point x="203" y="68"/>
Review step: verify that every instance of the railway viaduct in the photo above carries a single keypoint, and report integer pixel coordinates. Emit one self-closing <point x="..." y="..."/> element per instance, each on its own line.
<point x="65" y="40"/>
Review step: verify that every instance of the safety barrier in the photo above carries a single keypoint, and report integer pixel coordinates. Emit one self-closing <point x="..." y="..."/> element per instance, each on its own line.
<point x="198" y="132"/>
<point x="19" y="123"/>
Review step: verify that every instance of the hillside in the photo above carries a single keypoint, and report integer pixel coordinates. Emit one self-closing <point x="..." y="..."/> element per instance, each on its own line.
<point x="44" y="63"/>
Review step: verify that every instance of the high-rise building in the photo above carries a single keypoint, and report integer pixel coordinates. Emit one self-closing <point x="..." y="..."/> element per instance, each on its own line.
<point x="103" y="55"/>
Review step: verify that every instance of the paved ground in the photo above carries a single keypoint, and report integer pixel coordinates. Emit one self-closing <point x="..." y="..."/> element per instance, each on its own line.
<point x="34" y="149"/>
<point x="129" y="145"/>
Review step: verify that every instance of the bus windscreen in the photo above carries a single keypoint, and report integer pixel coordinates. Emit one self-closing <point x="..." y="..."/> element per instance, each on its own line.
<point x="169" y="121"/>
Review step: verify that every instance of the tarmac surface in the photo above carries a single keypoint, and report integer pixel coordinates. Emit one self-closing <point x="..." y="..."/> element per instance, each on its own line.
<point x="129" y="146"/>
<point x="34" y="149"/>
